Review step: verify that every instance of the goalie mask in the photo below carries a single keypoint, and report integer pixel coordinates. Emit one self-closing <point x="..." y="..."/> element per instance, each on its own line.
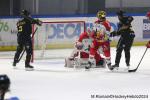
<point x="4" y="83"/>
<point x="79" y="45"/>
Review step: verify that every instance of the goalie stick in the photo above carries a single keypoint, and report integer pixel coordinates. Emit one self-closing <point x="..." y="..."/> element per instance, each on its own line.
<point x="24" y="49"/>
<point x="134" y="70"/>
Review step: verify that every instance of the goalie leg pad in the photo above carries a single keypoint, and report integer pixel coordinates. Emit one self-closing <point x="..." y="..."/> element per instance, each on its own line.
<point x="92" y="61"/>
<point x="69" y="63"/>
<point x="81" y="62"/>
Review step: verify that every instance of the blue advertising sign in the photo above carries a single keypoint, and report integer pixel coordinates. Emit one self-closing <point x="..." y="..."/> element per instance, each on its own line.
<point x="68" y="30"/>
<point x="146" y="28"/>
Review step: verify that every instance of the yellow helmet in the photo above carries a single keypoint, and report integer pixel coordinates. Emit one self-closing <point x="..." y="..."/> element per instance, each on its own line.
<point x="101" y="14"/>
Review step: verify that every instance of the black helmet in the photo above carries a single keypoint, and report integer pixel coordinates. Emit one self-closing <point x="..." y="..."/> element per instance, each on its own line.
<point x="25" y="12"/>
<point x="4" y="83"/>
<point x="120" y="13"/>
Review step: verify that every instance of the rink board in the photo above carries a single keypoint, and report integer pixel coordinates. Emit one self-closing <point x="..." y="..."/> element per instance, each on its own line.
<point x="8" y="33"/>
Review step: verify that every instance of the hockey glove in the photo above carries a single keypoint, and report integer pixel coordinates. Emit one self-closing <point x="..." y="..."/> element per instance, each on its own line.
<point x="38" y="22"/>
<point x="112" y="34"/>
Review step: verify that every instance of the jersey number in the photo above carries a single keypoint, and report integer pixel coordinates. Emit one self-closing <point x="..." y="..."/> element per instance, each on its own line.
<point x="20" y="28"/>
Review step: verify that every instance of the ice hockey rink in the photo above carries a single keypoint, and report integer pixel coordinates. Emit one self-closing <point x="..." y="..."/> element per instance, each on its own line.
<point x="52" y="81"/>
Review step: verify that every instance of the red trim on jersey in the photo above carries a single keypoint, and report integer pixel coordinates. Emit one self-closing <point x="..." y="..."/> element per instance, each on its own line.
<point x="106" y="23"/>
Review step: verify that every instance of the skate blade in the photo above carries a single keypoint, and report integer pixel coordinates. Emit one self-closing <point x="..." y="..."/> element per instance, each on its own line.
<point x="115" y="69"/>
<point x="87" y="69"/>
<point x="120" y="70"/>
<point x="14" y="67"/>
<point x="29" y="69"/>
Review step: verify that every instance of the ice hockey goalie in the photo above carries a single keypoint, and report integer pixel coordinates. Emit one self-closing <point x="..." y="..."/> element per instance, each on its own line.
<point x="80" y="55"/>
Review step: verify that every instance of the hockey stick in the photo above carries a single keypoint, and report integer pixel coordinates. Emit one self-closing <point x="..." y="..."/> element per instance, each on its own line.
<point x="24" y="49"/>
<point x="134" y="70"/>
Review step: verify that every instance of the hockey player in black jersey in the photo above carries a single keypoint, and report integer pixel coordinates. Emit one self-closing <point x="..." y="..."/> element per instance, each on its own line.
<point x="24" y="40"/>
<point x="126" y="38"/>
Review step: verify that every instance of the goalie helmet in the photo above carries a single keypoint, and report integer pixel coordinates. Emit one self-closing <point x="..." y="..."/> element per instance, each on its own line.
<point x="4" y="83"/>
<point x="101" y="14"/>
<point x="79" y="45"/>
<point x="25" y="13"/>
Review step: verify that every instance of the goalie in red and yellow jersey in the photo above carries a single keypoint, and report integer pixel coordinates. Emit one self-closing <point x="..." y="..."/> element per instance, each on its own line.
<point x="83" y="45"/>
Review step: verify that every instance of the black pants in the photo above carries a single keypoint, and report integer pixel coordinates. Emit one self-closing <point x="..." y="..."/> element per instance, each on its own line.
<point x="124" y="44"/>
<point x="24" y="43"/>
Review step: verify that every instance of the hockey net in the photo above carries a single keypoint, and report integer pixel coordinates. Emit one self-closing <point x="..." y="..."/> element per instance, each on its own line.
<point x="55" y="35"/>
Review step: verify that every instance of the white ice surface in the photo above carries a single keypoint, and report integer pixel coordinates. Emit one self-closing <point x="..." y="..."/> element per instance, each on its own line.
<point x="51" y="81"/>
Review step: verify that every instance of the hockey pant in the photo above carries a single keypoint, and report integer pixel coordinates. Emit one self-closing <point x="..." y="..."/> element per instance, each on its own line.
<point x="106" y="51"/>
<point x="126" y="46"/>
<point x="28" y="49"/>
<point x="94" y="51"/>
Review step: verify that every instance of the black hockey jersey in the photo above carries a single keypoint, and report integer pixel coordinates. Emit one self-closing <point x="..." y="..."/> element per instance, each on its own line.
<point x="125" y="20"/>
<point x="24" y="26"/>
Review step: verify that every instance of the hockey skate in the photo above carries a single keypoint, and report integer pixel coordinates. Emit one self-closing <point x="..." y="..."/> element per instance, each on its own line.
<point x="109" y="66"/>
<point x="28" y="67"/>
<point x="14" y="63"/>
<point x="101" y="64"/>
<point x="116" y="66"/>
<point x="128" y="65"/>
<point x="88" y="67"/>
<point x="91" y="63"/>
